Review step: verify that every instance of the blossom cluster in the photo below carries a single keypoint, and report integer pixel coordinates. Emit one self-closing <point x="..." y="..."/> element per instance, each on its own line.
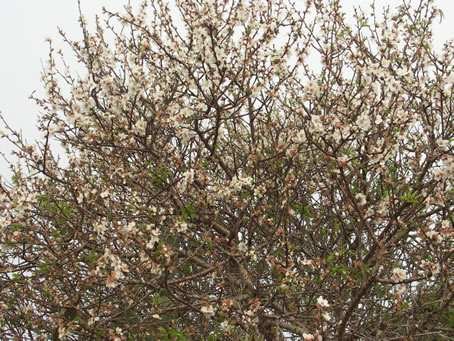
<point x="213" y="182"/>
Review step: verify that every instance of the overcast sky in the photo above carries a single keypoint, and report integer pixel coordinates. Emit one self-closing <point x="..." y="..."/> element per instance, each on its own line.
<point x="25" y="24"/>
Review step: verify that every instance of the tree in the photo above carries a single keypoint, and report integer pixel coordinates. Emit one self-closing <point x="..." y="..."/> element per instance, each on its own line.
<point x="218" y="186"/>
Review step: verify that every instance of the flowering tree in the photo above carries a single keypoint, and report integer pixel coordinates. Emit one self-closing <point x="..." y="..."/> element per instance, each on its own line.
<point x="219" y="186"/>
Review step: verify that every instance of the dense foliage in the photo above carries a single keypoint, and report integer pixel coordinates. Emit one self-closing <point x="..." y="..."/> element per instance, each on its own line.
<point x="237" y="170"/>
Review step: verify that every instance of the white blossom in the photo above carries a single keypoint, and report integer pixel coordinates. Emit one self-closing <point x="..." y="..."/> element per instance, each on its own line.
<point x="363" y="122"/>
<point x="242" y="247"/>
<point x="322" y="302"/>
<point x="207" y="310"/>
<point x="399" y="274"/>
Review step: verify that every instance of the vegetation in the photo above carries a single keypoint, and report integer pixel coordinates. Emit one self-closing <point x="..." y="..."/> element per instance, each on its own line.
<point x="218" y="184"/>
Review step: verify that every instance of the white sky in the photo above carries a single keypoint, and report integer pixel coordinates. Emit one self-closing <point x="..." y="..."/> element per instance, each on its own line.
<point x="25" y="24"/>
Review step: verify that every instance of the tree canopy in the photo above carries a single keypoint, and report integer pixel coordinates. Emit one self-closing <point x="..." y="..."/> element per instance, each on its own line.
<point x="236" y="170"/>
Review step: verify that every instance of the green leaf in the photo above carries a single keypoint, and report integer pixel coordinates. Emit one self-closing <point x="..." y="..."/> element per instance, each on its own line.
<point x="188" y="212"/>
<point x="330" y="259"/>
<point x="411" y="197"/>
